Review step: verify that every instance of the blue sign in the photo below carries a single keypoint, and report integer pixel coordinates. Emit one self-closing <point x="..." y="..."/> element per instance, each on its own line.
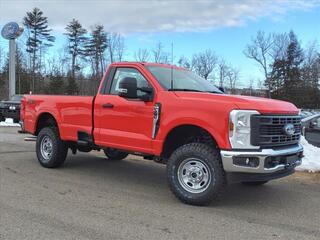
<point x="10" y="30"/>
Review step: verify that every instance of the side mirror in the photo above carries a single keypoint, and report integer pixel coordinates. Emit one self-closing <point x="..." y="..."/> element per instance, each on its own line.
<point x="221" y="89"/>
<point x="148" y="96"/>
<point x="128" y="87"/>
<point x="313" y="124"/>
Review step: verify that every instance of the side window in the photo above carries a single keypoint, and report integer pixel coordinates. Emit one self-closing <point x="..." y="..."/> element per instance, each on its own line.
<point x="128" y="72"/>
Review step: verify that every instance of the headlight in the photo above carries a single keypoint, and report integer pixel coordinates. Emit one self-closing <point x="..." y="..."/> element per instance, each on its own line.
<point x="240" y="129"/>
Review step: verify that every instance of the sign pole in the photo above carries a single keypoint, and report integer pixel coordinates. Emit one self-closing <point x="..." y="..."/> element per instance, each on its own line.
<point x="12" y="68"/>
<point x="11" y="31"/>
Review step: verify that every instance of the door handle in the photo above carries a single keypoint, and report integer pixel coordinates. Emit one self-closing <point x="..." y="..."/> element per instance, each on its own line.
<point x="107" y="105"/>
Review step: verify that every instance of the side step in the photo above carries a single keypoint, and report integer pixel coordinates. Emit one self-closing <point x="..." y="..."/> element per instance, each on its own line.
<point x="84" y="139"/>
<point x="30" y="139"/>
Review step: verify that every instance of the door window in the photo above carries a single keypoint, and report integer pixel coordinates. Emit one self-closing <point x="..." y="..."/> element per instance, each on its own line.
<point x="128" y="72"/>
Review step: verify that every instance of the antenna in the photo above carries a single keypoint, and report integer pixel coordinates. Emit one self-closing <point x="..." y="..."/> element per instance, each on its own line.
<point x="172" y="65"/>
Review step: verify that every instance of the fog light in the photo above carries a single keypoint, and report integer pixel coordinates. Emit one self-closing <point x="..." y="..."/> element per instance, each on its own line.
<point x="246" y="161"/>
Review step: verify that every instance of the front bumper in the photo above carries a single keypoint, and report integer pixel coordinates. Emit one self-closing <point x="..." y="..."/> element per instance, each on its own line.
<point x="7" y="113"/>
<point x="262" y="156"/>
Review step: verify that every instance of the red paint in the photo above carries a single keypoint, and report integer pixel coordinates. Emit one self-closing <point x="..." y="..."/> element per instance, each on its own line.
<point x="128" y="125"/>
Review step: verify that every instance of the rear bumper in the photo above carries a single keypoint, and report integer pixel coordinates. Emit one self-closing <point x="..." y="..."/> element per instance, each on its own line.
<point x="262" y="158"/>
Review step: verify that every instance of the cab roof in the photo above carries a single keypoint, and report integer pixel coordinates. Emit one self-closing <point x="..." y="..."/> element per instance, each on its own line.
<point x="165" y="65"/>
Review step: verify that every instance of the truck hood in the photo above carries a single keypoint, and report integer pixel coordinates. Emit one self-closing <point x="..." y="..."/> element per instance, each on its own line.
<point x="262" y="105"/>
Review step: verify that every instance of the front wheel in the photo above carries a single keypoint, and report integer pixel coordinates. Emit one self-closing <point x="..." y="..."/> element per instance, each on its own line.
<point x="51" y="150"/>
<point x="114" y="154"/>
<point x="195" y="174"/>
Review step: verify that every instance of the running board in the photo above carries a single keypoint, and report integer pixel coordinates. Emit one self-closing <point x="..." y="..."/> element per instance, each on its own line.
<point x="30" y="139"/>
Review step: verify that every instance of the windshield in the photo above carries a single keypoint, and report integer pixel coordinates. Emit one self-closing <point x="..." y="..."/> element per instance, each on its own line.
<point x="183" y="80"/>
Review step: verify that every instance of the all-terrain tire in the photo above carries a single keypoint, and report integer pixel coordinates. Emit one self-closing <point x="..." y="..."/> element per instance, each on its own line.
<point x="51" y="150"/>
<point x="114" y="154"/>
<point x="207" y="158"/>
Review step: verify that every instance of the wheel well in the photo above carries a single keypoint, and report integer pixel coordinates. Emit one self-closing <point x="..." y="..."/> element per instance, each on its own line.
<point x="184" y="134"/>
<point x="45" y="120"/>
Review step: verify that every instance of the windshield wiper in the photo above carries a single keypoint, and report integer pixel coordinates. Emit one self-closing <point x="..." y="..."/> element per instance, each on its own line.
<point x="184" y="89"/>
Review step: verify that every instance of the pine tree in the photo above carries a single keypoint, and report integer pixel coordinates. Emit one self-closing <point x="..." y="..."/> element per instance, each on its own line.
<point x="77" y="39"/>
<point x="285" y="80"/>
<point x="56" y="84"/>
<point x="39" y="37"/>
<point x="72" y="86"/>
<point x="95" y="49"/>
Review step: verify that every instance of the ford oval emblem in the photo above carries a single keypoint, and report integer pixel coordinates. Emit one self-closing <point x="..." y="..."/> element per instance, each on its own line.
<point x="289" y="129"/>
<point x="10" y="30"/>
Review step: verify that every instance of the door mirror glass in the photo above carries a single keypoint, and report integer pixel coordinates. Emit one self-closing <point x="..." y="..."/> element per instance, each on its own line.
<point x="128" y="87"/>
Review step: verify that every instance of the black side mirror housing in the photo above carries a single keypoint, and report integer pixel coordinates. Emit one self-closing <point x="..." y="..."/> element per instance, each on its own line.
<point x="313" y="124"/>
<point x="128" y="87"/>
<point x="222" y="89"/>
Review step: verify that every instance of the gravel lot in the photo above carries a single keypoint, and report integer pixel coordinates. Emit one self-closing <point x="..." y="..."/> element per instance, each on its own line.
<point x="93" y="198"/>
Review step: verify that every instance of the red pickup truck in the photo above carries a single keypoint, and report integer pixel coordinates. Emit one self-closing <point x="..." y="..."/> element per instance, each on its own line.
<point x="169" y="114"/>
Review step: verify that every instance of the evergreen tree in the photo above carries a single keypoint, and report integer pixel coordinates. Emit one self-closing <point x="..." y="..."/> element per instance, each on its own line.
<point x="56" y="84"/>
<point x="95" y="48"/>
<point x="72" y="86"/>
<point x="77" y="39"/>
<point x="39" y="37"/>
<point x="285" y="79"/>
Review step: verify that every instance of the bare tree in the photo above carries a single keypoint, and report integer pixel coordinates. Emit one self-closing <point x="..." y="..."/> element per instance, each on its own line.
<point x="204" y="63"/>
<point x="1" y="58"/>
<point x="115" y="47"/>
<point x="142" y="55"/>
<point x="259" y="50"/>
<point x="223" y="69"/>
<point x="280" y="42"/>
<point x="232" y="77"/>
<point x="184" y="62"/>
<point x="159" y="55"/>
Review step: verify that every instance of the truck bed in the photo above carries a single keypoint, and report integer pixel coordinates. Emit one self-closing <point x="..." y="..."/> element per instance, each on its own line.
<point x="65" y="109"/>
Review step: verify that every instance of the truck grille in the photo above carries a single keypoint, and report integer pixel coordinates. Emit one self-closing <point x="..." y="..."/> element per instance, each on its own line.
<point x="269" y="131"/>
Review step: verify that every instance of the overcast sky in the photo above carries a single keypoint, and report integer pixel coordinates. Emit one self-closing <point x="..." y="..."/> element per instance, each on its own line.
<point x="191" y="25"/>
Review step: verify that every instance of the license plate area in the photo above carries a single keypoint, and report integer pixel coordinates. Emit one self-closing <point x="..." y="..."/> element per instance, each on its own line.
<point x="288" y="161"/>
<point x="292" y="160"/>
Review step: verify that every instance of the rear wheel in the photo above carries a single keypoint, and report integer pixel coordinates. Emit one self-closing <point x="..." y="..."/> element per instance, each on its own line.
<point x="51" y="150"/>
<point x="256" y="183"/>
<point x="114" y="154"/>
<point x="195" y="174"/>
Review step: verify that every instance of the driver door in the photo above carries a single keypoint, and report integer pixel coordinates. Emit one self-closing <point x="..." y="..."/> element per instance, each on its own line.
<point x="124" y="123"/>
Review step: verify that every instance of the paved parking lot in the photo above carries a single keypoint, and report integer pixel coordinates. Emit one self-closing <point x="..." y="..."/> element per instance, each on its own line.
<point x="93" y="198"/>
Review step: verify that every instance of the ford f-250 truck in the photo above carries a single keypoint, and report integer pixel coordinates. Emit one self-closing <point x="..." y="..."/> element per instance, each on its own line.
<point x="169" y="114"/>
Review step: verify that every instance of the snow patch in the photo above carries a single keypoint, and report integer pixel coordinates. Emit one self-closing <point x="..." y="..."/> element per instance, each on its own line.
<point x="9" y="123"/>
<point x="311" y="160"/>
